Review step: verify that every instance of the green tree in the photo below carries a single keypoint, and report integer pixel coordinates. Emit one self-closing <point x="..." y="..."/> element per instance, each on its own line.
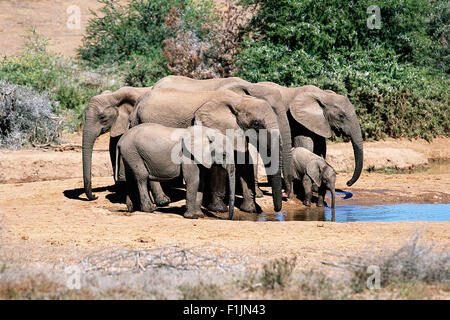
<point x="397" y="75"/>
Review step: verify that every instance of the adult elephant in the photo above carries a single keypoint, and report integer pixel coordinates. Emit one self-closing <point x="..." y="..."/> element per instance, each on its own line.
<point x="240" y="86"/>
<point x="107" y="112"/>
<point x="221" y="110"/>
<point x="314" y="113"/>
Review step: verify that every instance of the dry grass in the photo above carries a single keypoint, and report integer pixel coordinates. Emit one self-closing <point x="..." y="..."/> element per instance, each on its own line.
<point x="415" y="271"/>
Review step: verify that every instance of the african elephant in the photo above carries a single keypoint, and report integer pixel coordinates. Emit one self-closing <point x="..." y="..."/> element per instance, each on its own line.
<point x="108" y="111"/>
<point x="238" y="85"/>
<point x="313" y="113"/>
<point x="154" y="152"/>
<point x="222" y="110"/>
<point x="315" y="173"/>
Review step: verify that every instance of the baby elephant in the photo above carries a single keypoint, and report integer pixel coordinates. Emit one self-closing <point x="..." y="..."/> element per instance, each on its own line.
<point x="315" y="174"/>
<point x="158" y="153"/>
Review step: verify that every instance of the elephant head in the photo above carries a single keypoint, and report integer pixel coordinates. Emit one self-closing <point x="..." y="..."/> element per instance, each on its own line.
<point x="208" y="146"/>
<point x="232" y="111"/>
<point x="322" y="111"/>
<point x="275" y="100"/>
<point x="108" y="111"/>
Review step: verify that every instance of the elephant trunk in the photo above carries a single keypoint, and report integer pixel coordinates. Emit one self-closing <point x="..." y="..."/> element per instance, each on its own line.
<point x="276" y="191"/>
<point x="272" y="127"/>
<point x="333" y="196"/>
<point x="90" y="133"/>
<point x="285" y="152"/>
<point x="357" y="143"/>
<point x="231" y="170"/>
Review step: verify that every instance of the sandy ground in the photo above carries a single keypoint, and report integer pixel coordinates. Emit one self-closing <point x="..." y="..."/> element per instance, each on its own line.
<point x="51" y="221"/>
<point x="48" y="17"/>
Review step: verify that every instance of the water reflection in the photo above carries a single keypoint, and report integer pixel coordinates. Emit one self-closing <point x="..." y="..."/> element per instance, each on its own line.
<point x="304" y="214"/>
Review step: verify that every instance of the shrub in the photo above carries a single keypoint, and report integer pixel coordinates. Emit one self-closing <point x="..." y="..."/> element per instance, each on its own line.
<point x="120" y="31"/>
<point x="25" y="117"/>
<point x="152" y="39"/>
<point x="145" y="70"/>
<point x="66" y="82"/>
<point x="277" y="273"/>
<point x="212" y="53"/>
<point x="413" y="262"/>
<point x="396" y="76"/>
<point x="132" y="34"/>
<point x="200" y="291"/>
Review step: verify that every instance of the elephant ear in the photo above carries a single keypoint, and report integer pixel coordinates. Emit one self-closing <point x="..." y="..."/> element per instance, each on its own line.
<point x="218" y="115"/>
<point x="197" y="143"/>
<point x="313" y="171"/>
<point x="121" y="123"/>
<point x="306" y="109"/>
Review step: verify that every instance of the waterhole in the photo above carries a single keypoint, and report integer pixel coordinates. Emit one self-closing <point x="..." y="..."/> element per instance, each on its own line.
<point x="353" y="213"/>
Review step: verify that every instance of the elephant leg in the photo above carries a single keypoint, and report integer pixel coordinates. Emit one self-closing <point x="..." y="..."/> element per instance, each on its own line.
<point x="131" y="195"/>
<point x="307" y="186"/>
<point x="321" y="193"/>
<point x="161" y="199"/>
<point x="258" y="191"/>
<point x="141" y="178"/>
<point x="194" y="191"/>
<point x="218" y="184"/>
<point x="112" y="154"/>
<point x="253" y="154"/>
<point x="136" y="190"/>
<point x="146" y="203"/>
<point x="248" y="189"/>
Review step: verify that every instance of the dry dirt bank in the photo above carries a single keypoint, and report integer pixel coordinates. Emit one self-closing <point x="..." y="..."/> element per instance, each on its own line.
<point x="48" y="17"/>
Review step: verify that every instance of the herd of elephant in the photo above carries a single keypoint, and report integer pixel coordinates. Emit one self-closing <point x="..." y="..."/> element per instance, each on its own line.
<point x="143" y="122"/>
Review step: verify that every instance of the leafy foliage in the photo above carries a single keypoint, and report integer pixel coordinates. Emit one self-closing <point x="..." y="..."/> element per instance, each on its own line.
<point x="212" y="53"/>
<point x="396" y="76"/>
<point x="132" y="35"/>
<point x="154" y="38"/>
<point x="68" y="84"/>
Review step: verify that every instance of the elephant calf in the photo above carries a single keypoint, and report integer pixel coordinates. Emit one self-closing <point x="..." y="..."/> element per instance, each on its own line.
<point x="315" y="173"/>
<point x="158" y="153"/>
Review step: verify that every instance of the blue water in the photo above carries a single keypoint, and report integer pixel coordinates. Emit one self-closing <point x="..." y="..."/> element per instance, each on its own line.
<point x="351" y="213"/>
<point x="392" y="212"/>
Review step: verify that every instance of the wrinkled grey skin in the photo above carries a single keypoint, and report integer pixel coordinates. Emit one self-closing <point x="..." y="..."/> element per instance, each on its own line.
<point x="107" y="112"/>
<point x="315" y="174"/>
<point x="221" y="110"/>
<point x="314" y="113"/>
<point x="240" y="86"/>
<point x="147" y="151"/>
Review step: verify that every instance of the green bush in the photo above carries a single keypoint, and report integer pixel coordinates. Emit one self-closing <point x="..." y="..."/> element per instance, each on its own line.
<point x="396" y="76"/>
<point x="131" y="35"/>
<point x="70" y="85"/>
